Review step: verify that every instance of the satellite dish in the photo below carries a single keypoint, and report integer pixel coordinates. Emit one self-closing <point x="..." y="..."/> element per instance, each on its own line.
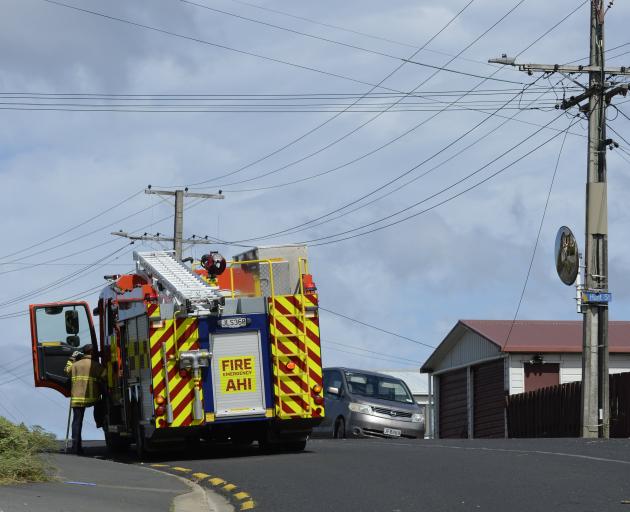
<point x="567" y="256"/>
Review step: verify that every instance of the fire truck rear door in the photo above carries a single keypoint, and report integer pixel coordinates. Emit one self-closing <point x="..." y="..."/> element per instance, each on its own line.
<point x="57" y="330"/>
<point x="237" y="373"/>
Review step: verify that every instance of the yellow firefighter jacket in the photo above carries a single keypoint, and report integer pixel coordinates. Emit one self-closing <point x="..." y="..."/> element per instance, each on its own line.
<point x="86" y="375"/>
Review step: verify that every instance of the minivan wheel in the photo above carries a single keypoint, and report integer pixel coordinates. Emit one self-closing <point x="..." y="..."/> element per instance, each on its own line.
<point x="340" y="428"/>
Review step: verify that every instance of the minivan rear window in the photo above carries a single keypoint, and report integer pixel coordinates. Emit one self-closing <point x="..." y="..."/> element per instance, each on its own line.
<point x="383" y="388"/>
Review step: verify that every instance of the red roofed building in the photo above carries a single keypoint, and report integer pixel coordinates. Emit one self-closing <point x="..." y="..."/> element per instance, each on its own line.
<point x="480" y="361"/>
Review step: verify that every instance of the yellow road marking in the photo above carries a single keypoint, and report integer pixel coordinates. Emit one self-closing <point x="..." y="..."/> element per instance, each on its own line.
<point x="241" y="495"/>
<point x="183" y="470"/>
<point x="217" y="481"/>
<point x="248" y="505"/>
<point x="200" y="476"/>
<point x="229" y="487"/>
<point x="159" y="465"/>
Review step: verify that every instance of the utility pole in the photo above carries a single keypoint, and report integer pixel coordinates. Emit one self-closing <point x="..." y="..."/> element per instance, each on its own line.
<point x="595" y="397"/>
<point x="178" y="227"/>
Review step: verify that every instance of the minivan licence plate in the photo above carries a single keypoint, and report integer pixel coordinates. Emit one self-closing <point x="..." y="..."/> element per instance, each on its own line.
<point x="392" y="432"/>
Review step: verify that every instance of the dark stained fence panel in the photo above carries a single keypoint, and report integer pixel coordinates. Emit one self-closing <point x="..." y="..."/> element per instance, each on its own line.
<point x="555" y="411"/>
<point x="620" y="405"/>
<point x="453" y="405"/>
<point x="547" y="412"/>
<point x="489" y="400"/>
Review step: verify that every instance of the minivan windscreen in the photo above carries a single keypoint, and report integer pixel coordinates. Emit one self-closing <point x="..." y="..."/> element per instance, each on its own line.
<point x="382" y="388"/>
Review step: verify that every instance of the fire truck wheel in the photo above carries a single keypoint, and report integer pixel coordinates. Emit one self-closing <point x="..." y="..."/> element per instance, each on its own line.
<point x="143" y="445"/>
<point x="115" y="443"/>
<point x="294" y="446"/>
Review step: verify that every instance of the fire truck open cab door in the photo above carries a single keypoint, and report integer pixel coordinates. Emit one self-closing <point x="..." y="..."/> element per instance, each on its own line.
<point x="57" y="330"/>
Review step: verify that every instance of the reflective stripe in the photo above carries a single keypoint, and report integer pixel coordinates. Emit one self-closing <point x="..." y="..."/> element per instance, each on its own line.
<point x="83" y="378"/>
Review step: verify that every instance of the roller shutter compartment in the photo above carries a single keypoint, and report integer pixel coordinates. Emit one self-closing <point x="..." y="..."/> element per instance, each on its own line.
<point x="453" y="414"/>
<point x="489" y="400"/>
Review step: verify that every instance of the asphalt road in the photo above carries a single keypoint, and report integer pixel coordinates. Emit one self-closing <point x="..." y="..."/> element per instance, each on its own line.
<point x="442" y="475"/>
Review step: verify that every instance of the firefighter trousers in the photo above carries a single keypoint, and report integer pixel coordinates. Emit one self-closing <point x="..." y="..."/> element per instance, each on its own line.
<point x="77" y="427"/>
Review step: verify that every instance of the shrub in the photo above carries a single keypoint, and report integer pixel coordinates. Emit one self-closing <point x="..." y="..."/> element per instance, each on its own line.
<point x="21" y="450"/>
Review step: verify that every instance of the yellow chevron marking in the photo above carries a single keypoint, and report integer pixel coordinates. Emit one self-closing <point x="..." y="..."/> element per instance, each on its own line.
<point x="216" y="481"/>
<point x="159" y="465"/>
<point x="248" y="505"/>
<point x="183" y="470"/>
<point x="241" y="495"/>
<point x="200" y="476"/>
<point x="229" y="487"/>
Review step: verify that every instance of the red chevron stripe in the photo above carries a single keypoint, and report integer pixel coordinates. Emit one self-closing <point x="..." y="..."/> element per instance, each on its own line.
<point x="303" y="385"/>
<point x="187" y="421"/>
<point x="168" y="333"/>
<point x="297" y="399"/>
<point x="314" y="357"/>
<point x="162" y="384"/>
<point x="182" y="405"/>
<point x="300" y="364"/>
<point x="192" y="328"/>
<point x="158" y="367"/>
<point x="281" y="308"/>
<point x="151" y="308"/>
<point x="285" y="407"/>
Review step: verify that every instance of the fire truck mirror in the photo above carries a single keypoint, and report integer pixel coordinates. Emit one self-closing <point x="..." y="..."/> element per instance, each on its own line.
<point x="72" y="322"/>
<point x="73" y="341"/>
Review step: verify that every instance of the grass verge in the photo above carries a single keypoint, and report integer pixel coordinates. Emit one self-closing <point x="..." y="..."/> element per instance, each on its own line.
<point x="21" y="453"/>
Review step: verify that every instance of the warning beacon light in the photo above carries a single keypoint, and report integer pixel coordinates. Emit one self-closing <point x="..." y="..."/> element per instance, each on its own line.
<point x="214" y="263"/>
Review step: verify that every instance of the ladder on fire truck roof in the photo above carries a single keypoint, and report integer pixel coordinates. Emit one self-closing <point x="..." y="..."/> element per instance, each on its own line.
<point x="185" y="287"/>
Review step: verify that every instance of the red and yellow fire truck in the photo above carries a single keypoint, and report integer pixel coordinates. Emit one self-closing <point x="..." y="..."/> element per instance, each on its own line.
<point x="220" y="350"/>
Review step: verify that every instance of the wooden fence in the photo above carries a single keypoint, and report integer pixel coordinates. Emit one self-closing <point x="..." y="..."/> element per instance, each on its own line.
<point x="555" y="411"/>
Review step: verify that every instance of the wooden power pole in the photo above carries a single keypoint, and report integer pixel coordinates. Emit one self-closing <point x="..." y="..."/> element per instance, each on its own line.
<point x="595" y="297"/>
<point x="178" y="227"/>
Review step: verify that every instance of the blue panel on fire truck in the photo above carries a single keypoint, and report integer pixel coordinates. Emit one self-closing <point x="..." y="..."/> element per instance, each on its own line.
<point x="230" y="325"/>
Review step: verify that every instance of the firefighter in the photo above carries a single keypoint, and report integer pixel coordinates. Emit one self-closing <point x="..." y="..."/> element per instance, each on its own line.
<point x="87" y="375"/>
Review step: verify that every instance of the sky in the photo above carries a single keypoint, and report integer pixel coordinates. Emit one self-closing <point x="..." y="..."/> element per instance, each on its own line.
<point x="256" y="99"/>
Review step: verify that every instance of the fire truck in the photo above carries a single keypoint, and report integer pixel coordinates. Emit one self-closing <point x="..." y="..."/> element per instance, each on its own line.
<point x="218" y="350"/>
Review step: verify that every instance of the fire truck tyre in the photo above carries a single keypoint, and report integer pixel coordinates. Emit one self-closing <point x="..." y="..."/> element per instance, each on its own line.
<point x="143" y="445"/>
<point x="294" y="446"/>
<point x="115" y="443"/>
<point x="242" y="441"/>
<point x="340" y="428"/>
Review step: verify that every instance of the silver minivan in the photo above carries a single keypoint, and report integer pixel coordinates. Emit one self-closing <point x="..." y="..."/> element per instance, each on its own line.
<point x="360" y="403"/>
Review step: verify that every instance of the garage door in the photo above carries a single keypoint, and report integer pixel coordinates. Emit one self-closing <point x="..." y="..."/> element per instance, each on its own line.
<point x="453" y="407"/>
<point x="489" y="400"/>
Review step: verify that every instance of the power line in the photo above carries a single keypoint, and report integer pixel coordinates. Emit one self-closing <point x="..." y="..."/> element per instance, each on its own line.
<point x="368" y="351"/>
<point x="380" y="358"/>
<point x="311" y="223"/>
<point x="391" y="181"/>
<point x="347" y="45"/>
<point x="83" y="223"/>
<point x="378" y="115"/>
<point x="85" y="235"/>
<point x="351" y="31"/>
<point x="232" y="49"/>
<point x="542" y="221"/>
<point x="450" y="198"/>
<point x="62" y="280"/>
<point x="321" y="125"/>
<point x="417" y="342"/>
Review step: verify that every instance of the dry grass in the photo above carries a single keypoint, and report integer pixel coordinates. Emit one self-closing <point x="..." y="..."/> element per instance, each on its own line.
<point x="21" y="450"/>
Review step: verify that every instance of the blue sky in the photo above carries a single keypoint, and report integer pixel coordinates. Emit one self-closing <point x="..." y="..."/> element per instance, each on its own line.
<point x="464" y="259"/>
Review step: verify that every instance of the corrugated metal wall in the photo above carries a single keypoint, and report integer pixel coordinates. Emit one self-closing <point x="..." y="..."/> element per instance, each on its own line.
<point x="471" y="347"/>
<point x="453" y="404"/>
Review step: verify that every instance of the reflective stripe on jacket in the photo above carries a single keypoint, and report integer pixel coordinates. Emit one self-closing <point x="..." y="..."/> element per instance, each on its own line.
<point x="86" y="375"/>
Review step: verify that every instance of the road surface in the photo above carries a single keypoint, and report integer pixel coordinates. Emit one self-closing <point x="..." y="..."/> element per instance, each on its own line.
<point x="438" y="475"/>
